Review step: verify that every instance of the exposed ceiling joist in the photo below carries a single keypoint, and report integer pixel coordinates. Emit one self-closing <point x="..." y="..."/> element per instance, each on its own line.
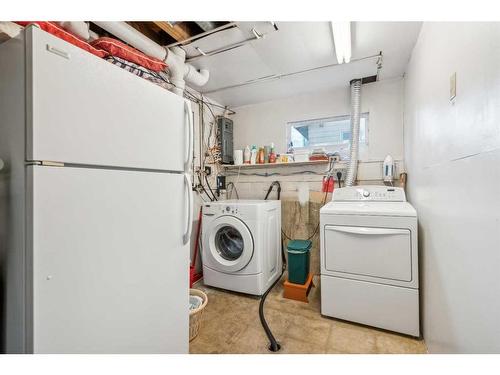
<point x="146" y="29"/>
<point x="179" y="31"/>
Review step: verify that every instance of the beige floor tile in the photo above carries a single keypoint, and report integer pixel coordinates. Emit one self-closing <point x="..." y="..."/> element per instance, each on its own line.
<point x="253" y="340"/>
<point x="290" y="345"/>
<point x="231" y="324"/>
<point x="347" y="338"/>
<point x="315" y="331"/>
<point x="390" y="343"/>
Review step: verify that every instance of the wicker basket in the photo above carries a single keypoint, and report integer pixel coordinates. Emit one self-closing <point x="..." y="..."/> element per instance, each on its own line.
<point x="195" y="315"/>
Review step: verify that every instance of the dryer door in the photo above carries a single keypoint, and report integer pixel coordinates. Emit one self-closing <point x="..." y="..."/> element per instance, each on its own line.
<point x="230" y="244"/>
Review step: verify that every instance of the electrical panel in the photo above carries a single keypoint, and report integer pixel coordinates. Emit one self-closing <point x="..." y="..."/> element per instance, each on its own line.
<point x="225" y="139"/>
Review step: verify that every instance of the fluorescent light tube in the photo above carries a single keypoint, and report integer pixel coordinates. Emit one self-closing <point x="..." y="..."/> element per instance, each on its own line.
<point x="342" y="39"/>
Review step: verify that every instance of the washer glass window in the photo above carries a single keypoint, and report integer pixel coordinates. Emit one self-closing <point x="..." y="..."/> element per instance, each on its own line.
<point x="229" y="242"/>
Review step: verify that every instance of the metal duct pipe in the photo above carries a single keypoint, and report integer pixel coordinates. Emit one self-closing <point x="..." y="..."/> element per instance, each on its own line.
<point x="352" y="168"/>
<point x="175" y="58"/>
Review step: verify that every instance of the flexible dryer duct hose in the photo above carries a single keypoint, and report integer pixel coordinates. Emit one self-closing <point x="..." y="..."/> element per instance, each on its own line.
<point x="352" y="168"/>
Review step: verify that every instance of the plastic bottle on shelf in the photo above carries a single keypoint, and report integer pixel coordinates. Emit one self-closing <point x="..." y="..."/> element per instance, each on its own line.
<point x="272" y="154"/>
<point x="246" y="155"/>
<point x="253" y="155"/>
<point x="260" y="156"/>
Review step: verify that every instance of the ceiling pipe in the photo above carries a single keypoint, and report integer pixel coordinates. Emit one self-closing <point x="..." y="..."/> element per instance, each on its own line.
<point x="206" y="25"/>
<point x="133" y="37"/>
<point x="79" y="28"/>
<point x="175" y="57"/>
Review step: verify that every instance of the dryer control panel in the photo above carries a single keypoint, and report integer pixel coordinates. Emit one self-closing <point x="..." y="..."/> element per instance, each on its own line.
<point x="369" y="193"/>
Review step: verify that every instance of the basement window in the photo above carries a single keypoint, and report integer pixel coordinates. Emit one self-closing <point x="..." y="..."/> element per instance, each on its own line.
<point x="331" y="133"/>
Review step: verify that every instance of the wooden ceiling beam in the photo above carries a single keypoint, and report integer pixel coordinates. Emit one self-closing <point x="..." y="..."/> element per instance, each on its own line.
<point x="146" y="29"/>
<point x="179" y="31"/>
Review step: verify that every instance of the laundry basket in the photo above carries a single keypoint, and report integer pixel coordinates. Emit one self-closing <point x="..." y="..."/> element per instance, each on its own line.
<point x="195" y="314"/>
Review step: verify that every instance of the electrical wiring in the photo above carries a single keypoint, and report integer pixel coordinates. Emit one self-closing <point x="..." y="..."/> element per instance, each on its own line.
<point x="203" y="188"/>
<point x="210" y="188"/>
<point x="285" y="235"/>
<point x="206" y="149"/>
<point x="225" y="108"/>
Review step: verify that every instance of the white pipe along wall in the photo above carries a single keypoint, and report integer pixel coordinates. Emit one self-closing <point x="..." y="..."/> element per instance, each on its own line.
<point x="180" y="71"/>
<point x="452" y="153"/>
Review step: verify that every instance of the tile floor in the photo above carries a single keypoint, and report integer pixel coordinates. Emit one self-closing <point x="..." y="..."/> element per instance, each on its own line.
<point x="231" y="324"/>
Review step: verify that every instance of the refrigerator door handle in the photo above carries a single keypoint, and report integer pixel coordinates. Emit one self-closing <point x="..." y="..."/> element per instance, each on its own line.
<point x="189" y="224"/>
<point x="188" y="122"/>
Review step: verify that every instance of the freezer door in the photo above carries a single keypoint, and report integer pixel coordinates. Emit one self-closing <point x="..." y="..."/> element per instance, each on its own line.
<point x="85" y="110"/>
<point x="108" y="260"/>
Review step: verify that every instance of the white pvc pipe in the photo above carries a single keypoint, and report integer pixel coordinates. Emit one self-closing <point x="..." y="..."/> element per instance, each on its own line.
<point x="176" y="65"/>
<point x="198" y="78"/>
<point x="93" y="35"/>
<point x="79" y="28"/>
<point x="175" y="58"/>
<point x="133" y="37"/>
<point x="352" y="167"/>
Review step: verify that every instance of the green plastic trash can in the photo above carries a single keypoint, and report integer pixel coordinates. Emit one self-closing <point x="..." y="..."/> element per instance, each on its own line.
<point x="298" y="260"/>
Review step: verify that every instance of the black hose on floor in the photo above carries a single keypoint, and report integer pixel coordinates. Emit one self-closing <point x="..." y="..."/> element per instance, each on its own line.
<point x="274" y="346"/>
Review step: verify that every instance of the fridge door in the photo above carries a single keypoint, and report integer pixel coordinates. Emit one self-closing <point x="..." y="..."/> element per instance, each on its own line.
<point x="108" y="260"/>
<point x="85" y="110"/>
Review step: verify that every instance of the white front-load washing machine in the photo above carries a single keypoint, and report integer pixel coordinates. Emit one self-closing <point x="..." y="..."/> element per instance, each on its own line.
<point x="241" y="244"/>
<point x="369" y="258"/>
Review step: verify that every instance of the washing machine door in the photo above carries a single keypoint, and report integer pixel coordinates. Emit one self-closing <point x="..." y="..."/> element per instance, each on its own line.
<point x="230" y="244"/>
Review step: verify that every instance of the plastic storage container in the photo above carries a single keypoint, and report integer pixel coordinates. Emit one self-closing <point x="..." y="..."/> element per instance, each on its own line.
<point x="298" y="260"/>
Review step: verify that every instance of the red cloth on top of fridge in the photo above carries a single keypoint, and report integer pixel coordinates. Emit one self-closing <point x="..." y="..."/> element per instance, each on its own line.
<point x="58" y="31"/>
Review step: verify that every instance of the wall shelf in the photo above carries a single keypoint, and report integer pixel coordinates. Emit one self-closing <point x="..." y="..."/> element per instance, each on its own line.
<point x="275" y="165"/>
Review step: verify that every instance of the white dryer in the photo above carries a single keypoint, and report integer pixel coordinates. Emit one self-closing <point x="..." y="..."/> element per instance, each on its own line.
<point x="241" y="244"/>
<point x="369" y="258"/>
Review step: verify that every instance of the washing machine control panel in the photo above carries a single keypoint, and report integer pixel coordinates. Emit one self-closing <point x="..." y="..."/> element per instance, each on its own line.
<point x="217" y="209"/>
<point x="230" y="210"/>
<point x="369" y="193"/>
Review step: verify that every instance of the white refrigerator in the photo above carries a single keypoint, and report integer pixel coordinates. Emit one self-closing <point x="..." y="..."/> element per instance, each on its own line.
<point x="95" y="204"/>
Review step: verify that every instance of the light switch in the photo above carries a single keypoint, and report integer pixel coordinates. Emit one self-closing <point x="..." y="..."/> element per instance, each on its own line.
<point x="453" y="86"/>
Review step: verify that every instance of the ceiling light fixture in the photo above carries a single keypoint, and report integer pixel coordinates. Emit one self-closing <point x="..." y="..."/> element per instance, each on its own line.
<point x="342" y="38"/>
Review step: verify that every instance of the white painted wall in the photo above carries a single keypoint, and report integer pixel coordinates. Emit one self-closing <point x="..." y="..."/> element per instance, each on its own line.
<point x="263" y="123"/>
<point x="452" y="154"/>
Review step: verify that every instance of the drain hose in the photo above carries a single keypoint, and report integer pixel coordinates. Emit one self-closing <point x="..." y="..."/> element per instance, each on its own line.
<point x="352" y="167"/>
<point x="274" y="346"/>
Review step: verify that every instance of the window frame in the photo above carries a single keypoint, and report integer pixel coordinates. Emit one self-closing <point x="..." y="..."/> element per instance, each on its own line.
<point x="329" y="147"/>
